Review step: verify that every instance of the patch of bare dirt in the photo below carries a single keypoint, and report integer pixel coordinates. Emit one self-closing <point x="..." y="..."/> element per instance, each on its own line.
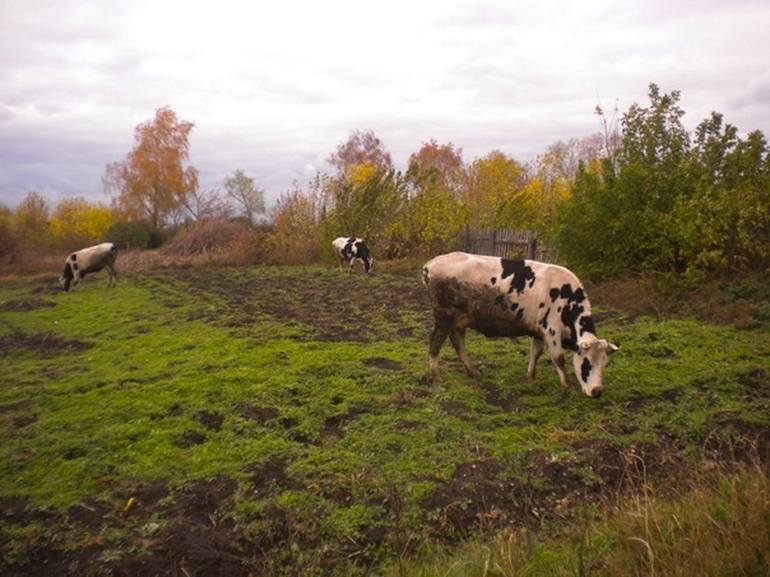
<point x="210" y="419"/>
<point x="334" y="425"/>
<point x="409" y="425"/>
<point x="325" y="308"/>
<point x="259" y="414"/>
<point x="41" y="344"/>
<point x="408" y="396"/>
<point x="271" y="474"/>
<point x="506" y="401"/>
<point x="756" y="382"/>
<point x="190" y="438"/>
<point x="382" y="363"/>
<point x="733" y="440"/>
<point x="457" y="409"/>
<point x="476" y="495"/>
<point x="482" y="495"/>
<point x="24" y="305"/>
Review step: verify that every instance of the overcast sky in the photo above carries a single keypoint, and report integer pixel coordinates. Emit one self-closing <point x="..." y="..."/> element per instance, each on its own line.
<point x="274" y="87"/>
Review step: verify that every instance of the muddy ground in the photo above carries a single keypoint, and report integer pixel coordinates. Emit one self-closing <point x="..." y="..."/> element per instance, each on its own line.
<point x="191" y="530"/>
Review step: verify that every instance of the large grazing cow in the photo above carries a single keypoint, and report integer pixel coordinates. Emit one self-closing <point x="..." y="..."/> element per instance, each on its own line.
<point x="87" y="261"/>
<point x="350" y="250"/>
<point x="509" y="298"/>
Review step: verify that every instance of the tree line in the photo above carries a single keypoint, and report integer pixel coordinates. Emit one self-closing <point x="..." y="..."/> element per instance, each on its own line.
<point x="643" y="194"/>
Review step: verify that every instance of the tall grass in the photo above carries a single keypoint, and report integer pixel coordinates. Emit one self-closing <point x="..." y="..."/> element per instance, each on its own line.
<point x="718" y="526"/>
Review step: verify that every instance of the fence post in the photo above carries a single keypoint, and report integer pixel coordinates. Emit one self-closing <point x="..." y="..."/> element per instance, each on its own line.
<point x="532" y="247"/>
<point x="467" y="242"/>
<point x="494" y="242"/>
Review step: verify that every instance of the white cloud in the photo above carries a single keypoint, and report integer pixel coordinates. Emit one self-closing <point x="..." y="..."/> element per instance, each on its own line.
<point x="274" y="88"/>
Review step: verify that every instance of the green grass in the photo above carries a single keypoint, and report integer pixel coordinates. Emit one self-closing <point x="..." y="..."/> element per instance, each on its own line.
<point x="368" y="454"/>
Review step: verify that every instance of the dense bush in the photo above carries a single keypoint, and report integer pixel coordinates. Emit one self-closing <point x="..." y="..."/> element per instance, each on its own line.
<point x="9" y="242"/>
<point x="667" y="204"/>
<point x="128" y="235"/>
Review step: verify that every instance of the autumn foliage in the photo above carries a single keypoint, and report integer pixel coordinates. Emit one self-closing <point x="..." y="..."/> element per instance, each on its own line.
<point x="153" y="181"/>
<point x="644" y="194"/>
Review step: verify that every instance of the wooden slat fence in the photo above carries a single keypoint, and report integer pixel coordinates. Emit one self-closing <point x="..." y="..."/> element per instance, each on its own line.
<point x="506" y="243"/>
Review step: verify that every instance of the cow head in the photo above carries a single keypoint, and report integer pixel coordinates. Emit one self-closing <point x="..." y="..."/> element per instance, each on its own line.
<point x="65" y="280"/>
<point x="589" y="361"/>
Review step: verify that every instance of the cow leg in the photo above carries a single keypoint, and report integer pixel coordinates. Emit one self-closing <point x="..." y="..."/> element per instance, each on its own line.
<point x="457" y="337"/>
<point x="556" y="352"/>
<point x="441" y="328"/>
<point x="558" y="362"/>
<point x="113" y="275"/>
<point x="534" y="354"/>
<point x="352" y="262"/>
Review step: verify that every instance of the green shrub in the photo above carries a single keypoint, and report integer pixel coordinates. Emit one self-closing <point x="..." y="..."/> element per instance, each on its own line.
<point x="128" y="234"/>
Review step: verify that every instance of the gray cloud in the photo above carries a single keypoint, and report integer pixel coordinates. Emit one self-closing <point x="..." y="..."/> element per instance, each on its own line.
<point x="273" y="92"/>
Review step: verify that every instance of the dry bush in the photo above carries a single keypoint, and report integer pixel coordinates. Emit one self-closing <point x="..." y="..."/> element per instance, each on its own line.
<point x="296" y="236"/>
<point x="718" y="524"/>
<point x="207" y="242"/>
<point x="720" y="527"/>
<point x="16" y="258"/>
<point x="206" y="237"/>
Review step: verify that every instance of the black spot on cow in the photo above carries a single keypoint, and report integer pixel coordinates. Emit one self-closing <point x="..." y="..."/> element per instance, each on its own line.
<point x="554" y="342"/>
<point x="74" y="266"/>
<point x="569" y="316"/>
<point x="558" y="310"/>
<point x="74" y="257"/>
<point x="521" y="274"/>
<point x="585" y="370"/>
<point x="544" y="320"/>
<point x="351" y="240"/>
<point x="551" y="332"/>
<point x="362" y="251"/>
<point x="514" y="306"/>
<point x="493" y="280"/>
<point x="566" y="293"/>
<point x="587" y="325"/>
<point x="520" y="314"/>
<point x="541" y="305"/>
<point x="554" y="292"/>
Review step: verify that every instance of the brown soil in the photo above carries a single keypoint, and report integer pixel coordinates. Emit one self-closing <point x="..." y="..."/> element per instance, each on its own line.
<point x="714" y="301"/>
<point x="260" y="414"/>
<point x="334" y="426"/>
<point x="23" y="305"/>
<point x="331" y="308"/>
<point x="210" y="419"/>
<point x="480" y="495"/>
<point x="271" y="474"/>
<point x="40" y="344"/>
<point x="506" y="401"/>
<point x="382" y="363"/>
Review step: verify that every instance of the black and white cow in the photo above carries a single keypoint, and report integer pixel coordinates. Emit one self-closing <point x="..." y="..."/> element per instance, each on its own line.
<point x="509" y="298"/>
<point x="87" y="261"/>
<point x="351" y="250"/>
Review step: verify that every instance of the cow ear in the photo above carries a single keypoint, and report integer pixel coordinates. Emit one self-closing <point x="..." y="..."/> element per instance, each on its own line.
<point x="585" y="345"/>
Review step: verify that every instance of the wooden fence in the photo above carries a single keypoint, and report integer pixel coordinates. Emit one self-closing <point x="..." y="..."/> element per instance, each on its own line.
<point x="506" y="243"/>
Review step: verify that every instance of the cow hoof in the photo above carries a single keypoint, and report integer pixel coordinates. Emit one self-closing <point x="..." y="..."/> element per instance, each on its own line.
<point x="474" y="374"/>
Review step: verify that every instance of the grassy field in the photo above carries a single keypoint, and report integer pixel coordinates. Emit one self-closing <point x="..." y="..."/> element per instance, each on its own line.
<point x="261" y="421"/>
